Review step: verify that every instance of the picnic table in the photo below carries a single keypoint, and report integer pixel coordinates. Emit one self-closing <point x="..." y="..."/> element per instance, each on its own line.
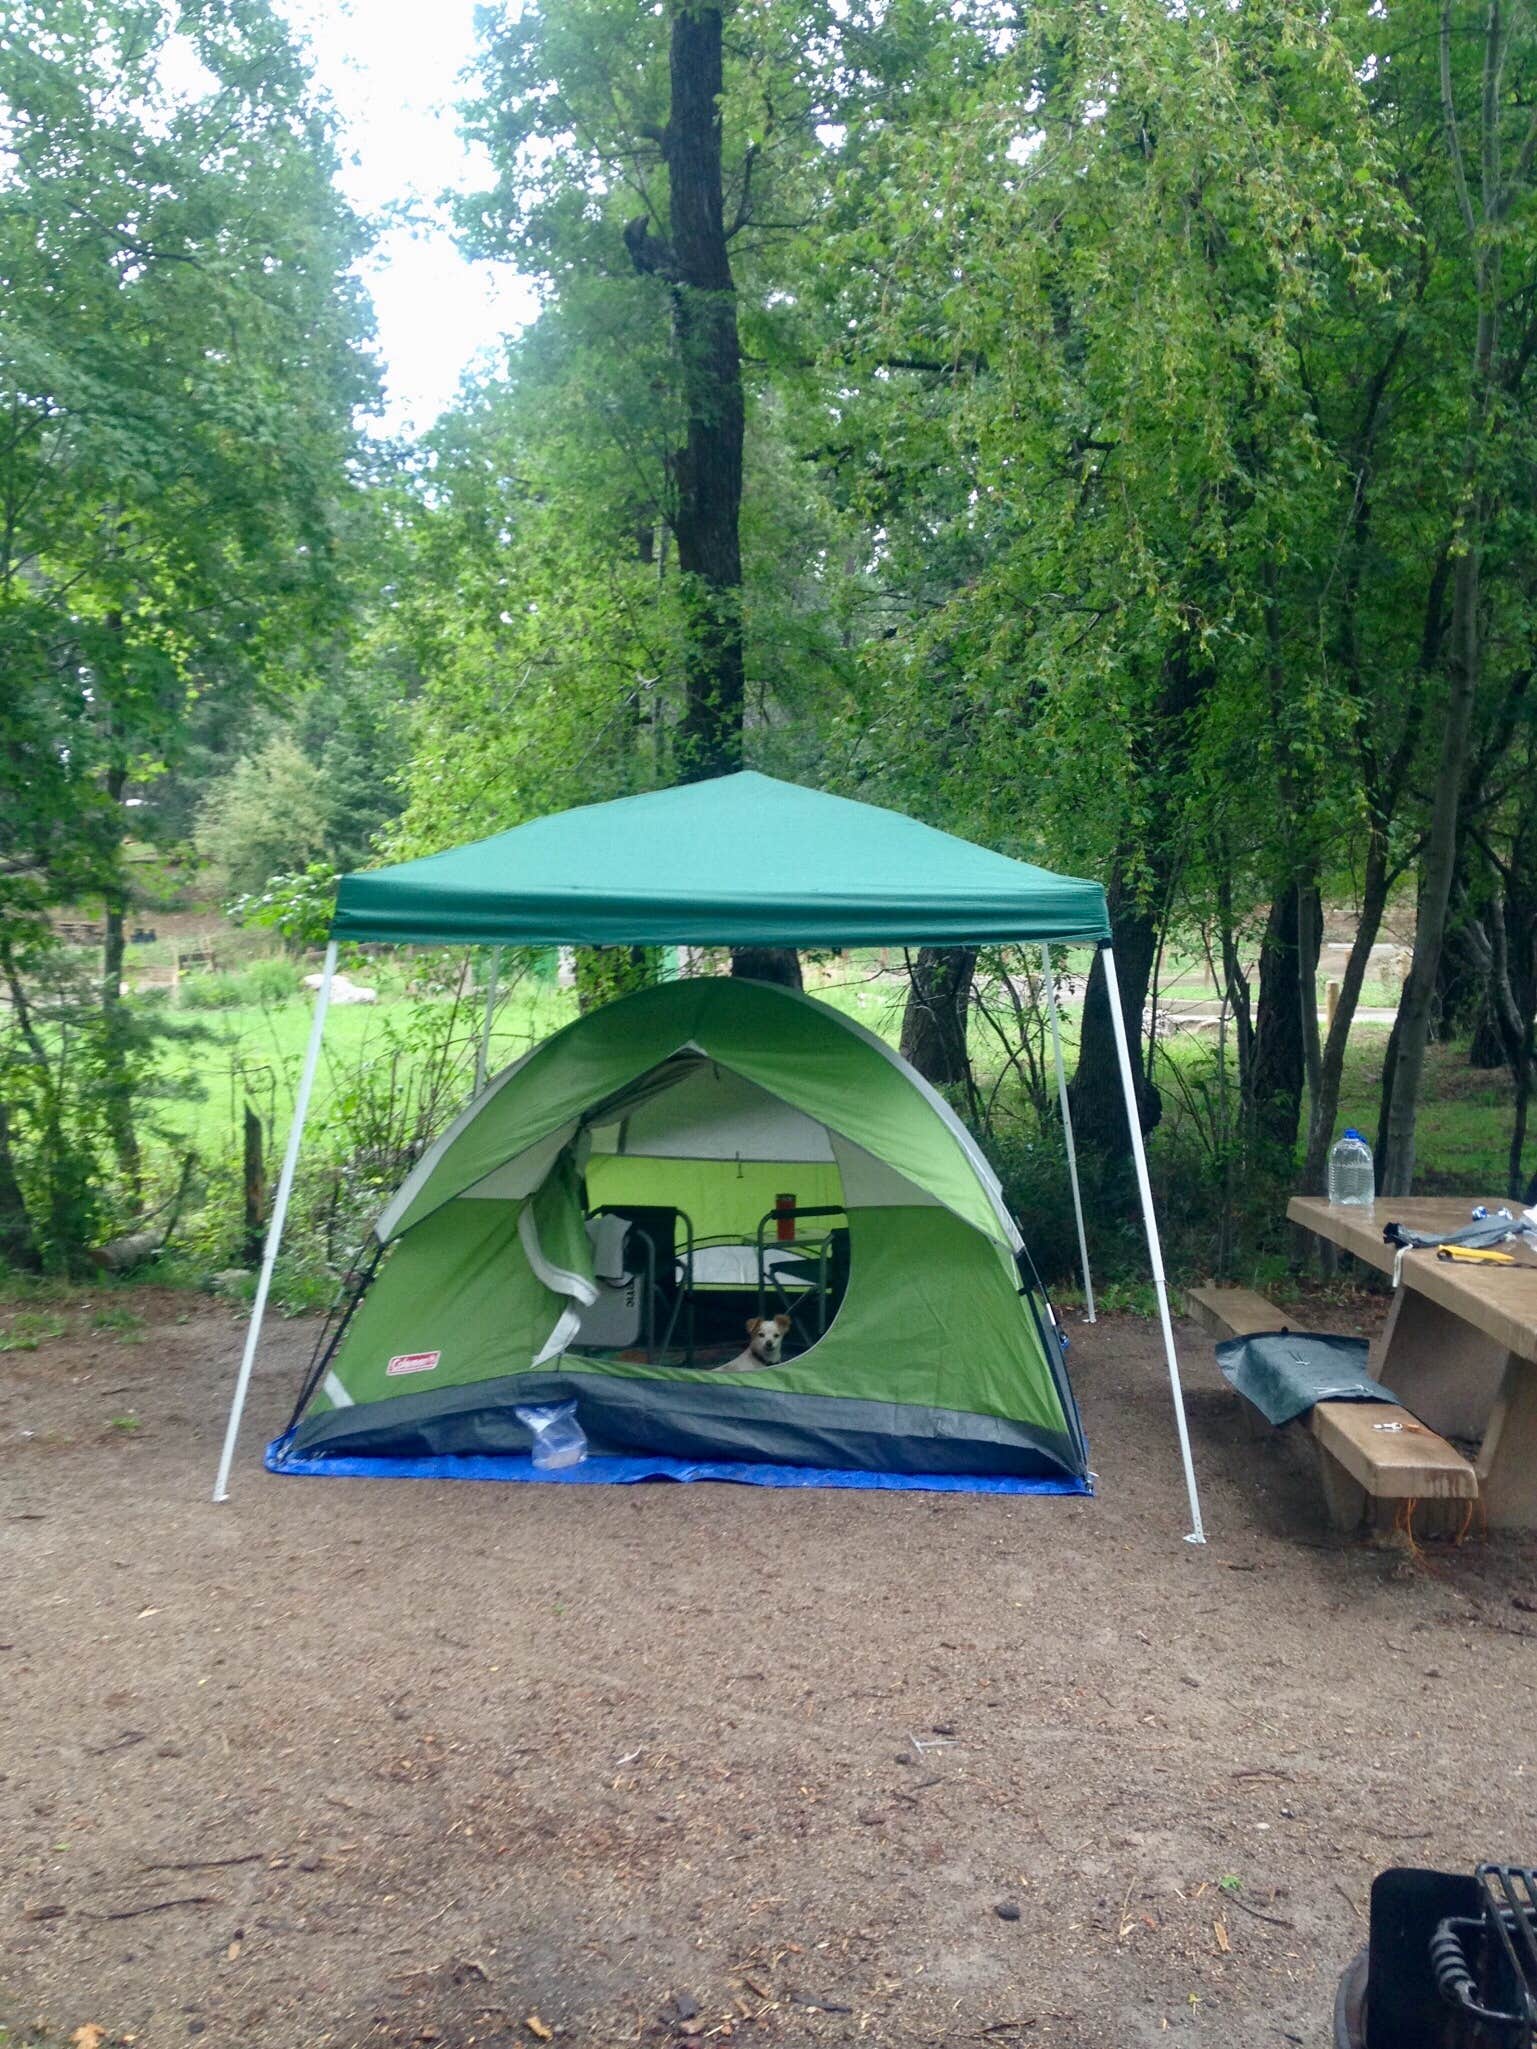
<point x="1460" y="1344"/>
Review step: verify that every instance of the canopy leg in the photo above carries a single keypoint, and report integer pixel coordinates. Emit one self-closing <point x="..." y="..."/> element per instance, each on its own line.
<point x="275" y="1228"/>
<point x="493" y="976"/>
<point x="1067" y="1134"/>
<point x="1196" y="1534"/>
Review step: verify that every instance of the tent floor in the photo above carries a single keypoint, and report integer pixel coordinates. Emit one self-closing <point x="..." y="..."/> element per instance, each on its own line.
<point x="624" y="1472"/>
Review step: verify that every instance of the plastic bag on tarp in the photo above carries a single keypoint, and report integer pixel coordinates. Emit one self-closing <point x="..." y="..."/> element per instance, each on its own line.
<point x="1284" y="1372"/>
<point x="559" y="1440"/>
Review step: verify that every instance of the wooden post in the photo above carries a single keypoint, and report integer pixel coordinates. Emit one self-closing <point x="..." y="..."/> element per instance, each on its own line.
<point x="255" y="1188"/>
<point x="1331" y="1003"/>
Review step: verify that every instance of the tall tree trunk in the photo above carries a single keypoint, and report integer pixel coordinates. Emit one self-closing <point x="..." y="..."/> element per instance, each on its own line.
<point x="1439" y="863"/>
<point x="1098" y="1105"/>
<point x="18" y="1241"/>
<point x="1235" y="983"/>
<point x="708" y="468"/>
<point x="1288" y="965"/>
<point x="1325" y="1104"/>
<point x="934" y="1021"/>
<point x="1516" y="1184"/>
<point x="778" y="964"/>
<point x="117" y="1025"/>
<point x="1403" y="1075"/>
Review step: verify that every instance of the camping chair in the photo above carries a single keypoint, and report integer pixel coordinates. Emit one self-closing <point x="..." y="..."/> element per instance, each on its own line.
<point x="651" y="1255"/>
<point x="803" y="1271"/>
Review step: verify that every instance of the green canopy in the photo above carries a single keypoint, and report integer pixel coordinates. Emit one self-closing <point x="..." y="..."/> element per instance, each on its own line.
<point x="744" y="860"/>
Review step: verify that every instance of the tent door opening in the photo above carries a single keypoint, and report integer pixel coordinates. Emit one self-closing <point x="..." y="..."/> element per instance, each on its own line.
<point x="710" y="1204"/>
<point x="668" y="1295"/>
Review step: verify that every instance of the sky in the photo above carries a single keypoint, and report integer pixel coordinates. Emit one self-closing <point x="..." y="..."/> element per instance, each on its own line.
<point x="393" y="69"/>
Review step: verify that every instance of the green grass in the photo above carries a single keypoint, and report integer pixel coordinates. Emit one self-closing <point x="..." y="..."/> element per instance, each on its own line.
<point x="1466" y="1117"/>
<point x="29" y="1329"/>
<point x="256" y="1053"/>
<point x="118" y="1321"/>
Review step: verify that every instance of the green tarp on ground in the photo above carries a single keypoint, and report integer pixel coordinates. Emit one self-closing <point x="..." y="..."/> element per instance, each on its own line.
<point x="743" y="860"/>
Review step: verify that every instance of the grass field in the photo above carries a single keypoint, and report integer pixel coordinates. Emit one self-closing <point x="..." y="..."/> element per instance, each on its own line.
<point x="254" y="1052"/>
<point x="220" y="1058"/>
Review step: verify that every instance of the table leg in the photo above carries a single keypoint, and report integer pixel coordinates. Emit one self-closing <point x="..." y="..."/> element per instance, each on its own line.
<point x="1507" y="1462"/>
<point x="1442" y="1369"/>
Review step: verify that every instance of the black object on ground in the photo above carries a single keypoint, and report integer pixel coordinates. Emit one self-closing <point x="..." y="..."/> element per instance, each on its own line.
<point x="1451" y="1963"/>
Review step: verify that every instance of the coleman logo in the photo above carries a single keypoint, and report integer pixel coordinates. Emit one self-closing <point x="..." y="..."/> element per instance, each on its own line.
<point x="413" y="1362"/>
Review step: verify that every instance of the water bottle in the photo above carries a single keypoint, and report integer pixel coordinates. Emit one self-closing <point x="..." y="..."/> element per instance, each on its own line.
<point x="1352" y="1181"/>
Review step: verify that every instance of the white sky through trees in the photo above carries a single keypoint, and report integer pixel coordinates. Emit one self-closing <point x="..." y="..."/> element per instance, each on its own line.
<point x="394" y="69"/>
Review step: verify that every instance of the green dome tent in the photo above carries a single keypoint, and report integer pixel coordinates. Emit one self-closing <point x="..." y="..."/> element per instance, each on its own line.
<point x="708" y="1099"/>
<point x="742" y="860"/>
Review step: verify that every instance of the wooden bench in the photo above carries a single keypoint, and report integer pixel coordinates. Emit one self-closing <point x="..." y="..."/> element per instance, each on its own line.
<point x="1363" y="1467"/>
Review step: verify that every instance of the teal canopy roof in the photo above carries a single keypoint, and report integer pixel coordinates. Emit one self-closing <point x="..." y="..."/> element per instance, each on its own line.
<point x="744" y="860"/>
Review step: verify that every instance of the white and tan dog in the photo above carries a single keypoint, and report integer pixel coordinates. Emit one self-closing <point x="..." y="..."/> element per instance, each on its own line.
<point x="765" y="1342"/>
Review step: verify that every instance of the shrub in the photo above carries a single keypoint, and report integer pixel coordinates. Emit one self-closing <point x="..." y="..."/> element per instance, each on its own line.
<point x="264" y="982"/>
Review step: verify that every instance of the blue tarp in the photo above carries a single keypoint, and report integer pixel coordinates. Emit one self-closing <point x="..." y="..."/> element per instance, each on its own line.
<point x="622" y="1472"/>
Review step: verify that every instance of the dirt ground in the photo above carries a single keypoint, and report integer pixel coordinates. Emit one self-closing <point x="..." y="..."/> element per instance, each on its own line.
<point x="351" y="1762"/>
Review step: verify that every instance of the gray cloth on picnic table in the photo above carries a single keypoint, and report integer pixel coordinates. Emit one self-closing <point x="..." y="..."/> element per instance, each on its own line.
<point x="1284" y="1372"/>
<point x="1480" y="1236"/>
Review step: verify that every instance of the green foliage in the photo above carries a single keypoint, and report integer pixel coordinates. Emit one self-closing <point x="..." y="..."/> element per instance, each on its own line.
<point x="58" y="1084"/>
<point x="267" y="981"/>
<point x="606" y="972"/>
<point x="297" y="907"/>
<point x="268" y="815"/>
<point x="31" y="1328"/>
<point x="180" y="362"/>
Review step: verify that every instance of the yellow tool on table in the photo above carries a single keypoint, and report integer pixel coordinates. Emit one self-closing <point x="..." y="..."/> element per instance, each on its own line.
<point x="1474" y="1255"/>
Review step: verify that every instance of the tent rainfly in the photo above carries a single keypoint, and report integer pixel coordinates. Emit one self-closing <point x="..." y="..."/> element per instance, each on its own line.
<point x="743" y="860"/>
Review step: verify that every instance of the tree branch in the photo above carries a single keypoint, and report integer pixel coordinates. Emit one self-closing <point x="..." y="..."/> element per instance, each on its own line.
<point x="1449" y="122"/>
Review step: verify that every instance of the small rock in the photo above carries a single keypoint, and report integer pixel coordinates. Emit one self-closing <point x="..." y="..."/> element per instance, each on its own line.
<point x="686" y="2007"/>
<point x="944" y="1728"/>
<point x="1006" y="1910"/>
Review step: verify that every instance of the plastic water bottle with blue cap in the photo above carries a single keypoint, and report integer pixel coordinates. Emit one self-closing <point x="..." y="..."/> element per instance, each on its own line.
<point x="1352" y="1178"/>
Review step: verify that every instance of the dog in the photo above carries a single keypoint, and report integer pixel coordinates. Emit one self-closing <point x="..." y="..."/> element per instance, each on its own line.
<point x="765" y="1343"/>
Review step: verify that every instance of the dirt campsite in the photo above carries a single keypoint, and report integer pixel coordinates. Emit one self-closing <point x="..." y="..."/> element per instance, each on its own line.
<point x="349" y="1762"/>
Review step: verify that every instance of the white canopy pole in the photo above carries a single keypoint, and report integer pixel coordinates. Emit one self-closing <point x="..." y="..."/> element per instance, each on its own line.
<point x="275" y="1228"/>
<point x="492" y="977"/>
<point x="1196" y="1534"/>
<point x="1067" y="1132"/>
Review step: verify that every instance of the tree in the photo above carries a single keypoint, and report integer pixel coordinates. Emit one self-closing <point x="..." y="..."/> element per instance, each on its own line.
<point x="1493" y="175"/>
<point x="179" y="365"/>
<point x="269" y="816"/>
<point x="694" y="258"/>
<point x="1141" y="218"/>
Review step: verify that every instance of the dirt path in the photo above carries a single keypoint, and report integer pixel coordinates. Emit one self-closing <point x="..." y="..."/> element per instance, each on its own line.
<point x="394" y="1763"/>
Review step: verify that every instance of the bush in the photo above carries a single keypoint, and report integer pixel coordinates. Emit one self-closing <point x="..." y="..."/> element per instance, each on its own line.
<point x="264" y="982"/>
